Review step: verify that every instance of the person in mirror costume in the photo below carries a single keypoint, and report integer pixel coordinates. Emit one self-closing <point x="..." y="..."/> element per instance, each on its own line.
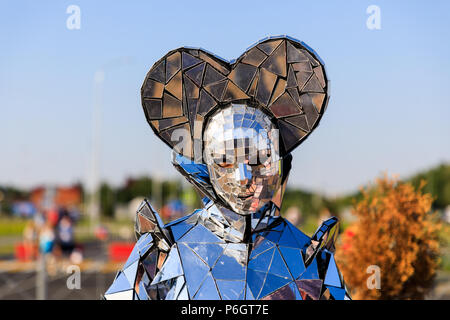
<point x="232" y="126"/>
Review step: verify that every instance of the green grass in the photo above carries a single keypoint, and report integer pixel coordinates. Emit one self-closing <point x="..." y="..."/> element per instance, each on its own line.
<point x="7" y="249"/>
<point x="12" y="226"/>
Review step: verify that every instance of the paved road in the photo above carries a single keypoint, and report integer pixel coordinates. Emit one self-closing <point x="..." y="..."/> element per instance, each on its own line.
<point x="22" y="285"/>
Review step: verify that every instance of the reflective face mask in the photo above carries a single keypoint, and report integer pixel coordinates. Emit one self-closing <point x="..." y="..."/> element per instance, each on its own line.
<point x="242" y="154"/>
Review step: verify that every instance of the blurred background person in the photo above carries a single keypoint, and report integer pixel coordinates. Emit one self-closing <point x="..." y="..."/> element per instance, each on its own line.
<point x="46" y="238"/>
<point x="30" y="240"/>
<point x="65" y="236"/>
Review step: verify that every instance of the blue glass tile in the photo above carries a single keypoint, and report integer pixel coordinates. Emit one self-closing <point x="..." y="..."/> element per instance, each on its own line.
<point x="246" y="123"/>
<point x="287" y="239"/>
<point x="331" y="221"/>
<point x="133" y="257"/>
<point x="311" y="271"/>
<point x="332" y="276"/>
<point x="278" y="267"/>
<point x="121" y="283"/>
<point x="248" y="294"/>
<point x="180" y="229"/>
<point x="260" y="246"/>
<point x="194" y="268"/>
<point x="130" y="272"/>
<point x="200" y="234"/>
<point x="208" y="290"/>
<point x="273" y="236"/>
<point x="271" y="284"/>
<point x="197" y="171"/>
<point x="228" y="268"/>
<point x="294" y="260"/>
<point x="255" y="281"/>
<point x="258" y="127"/>
<point x="230" y="290"/>
<point x="262" y="261"/>
<point x="184" y="294"/>
<point x="209" y="252"/>
<point x="319" y="234"/>
<point x="337" y="293"/>
<point x="301" y="238"/>
<point x="144" y="243"/>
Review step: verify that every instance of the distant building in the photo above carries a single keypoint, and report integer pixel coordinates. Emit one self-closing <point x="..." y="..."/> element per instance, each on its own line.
<point x="68" y="197"/>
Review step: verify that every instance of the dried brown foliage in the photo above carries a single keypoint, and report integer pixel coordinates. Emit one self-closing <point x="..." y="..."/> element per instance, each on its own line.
<point x="396" y="231"/>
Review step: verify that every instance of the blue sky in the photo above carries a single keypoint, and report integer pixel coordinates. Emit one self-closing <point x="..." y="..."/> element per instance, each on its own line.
<point x="389" y="108"/>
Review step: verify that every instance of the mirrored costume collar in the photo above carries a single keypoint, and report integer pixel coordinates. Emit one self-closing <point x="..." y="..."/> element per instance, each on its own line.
<point x="215" y="215"/>
<point x="232" y="227"/>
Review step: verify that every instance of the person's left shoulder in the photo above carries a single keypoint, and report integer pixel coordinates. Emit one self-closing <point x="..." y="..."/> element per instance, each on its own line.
<point x="321" y="251"/>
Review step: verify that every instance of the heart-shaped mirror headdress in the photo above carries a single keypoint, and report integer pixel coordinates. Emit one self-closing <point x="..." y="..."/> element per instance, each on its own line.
<point x="281" y="76"/>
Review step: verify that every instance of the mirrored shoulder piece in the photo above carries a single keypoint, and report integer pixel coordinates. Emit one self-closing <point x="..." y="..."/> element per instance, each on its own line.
<point x="148" y="220"/>
<point x="324" y="238"/>
<point x="134" y="281"/>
